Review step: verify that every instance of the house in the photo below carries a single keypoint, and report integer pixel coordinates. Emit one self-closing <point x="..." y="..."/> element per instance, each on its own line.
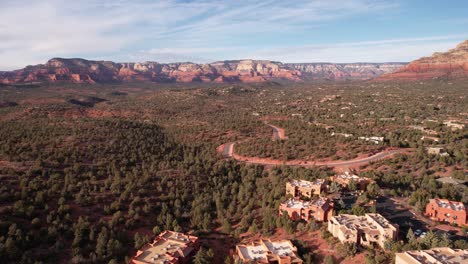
<point x="345" y="179"/>
<point x="341" y="134"/>
<point x="320" y="209"/>
<point x="433" y="256"/>
<point x="375" y="140"/>
<point x="450" y="180"/>
<point x="454" y="126"/>
<point x="435" y="139"/>
<point x="443" y="210"/>
<point x="424" y="129"/>
<point x="267" y="251"/>
<point x="168" y="248"/>
<point x="437" y="151"/>
<point x="301" y="188"/>
<point x="362" y="230"/>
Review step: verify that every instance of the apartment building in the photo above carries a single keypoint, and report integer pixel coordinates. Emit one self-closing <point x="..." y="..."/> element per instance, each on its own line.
<point x="346" y="178"/>
<point x="267" y="251"/>
<point x="443" y="210"/>
<point x="168" y="248"/>
<point x="433" y="256"/>
<point x="362" y="230"/>
<point x="301" y="188"/>
<point x="320" y="209"/>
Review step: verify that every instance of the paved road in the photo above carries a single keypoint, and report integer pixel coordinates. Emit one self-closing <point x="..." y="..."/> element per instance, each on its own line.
<point x="278" y="133"/>
<point x="228" y="152"/>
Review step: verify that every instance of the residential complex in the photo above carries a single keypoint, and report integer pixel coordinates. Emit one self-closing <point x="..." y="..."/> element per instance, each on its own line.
<point x="320" y="209"/>
<point x="444" y="210"/>
<point x="267" y="251"/>
<point x="301" y="188"/>
<point x="168" y="248"/>
<point x="346" y="178"/>
<point x="433" y="256"/>
<point x="362" y="230"/>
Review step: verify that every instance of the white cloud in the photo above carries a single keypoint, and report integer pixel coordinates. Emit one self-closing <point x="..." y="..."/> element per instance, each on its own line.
<point x="388" y="50"/>
<point x="33" y="31"/>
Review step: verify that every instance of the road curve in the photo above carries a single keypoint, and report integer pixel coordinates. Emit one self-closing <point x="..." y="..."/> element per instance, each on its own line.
<point x="228" y="152"/>
<point x="278" y="133"/>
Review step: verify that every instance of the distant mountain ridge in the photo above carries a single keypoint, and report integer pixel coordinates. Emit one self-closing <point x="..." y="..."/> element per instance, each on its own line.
<point x="450" y="64"/>
<point x="86" y="71"/>
<point x="345" y="71"/>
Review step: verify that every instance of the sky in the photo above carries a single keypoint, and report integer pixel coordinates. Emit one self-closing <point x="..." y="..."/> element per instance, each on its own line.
<point x="33" y="31"/>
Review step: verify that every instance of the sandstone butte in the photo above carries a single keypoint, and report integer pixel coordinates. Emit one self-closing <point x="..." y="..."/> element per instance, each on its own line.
<point x="450" y="64"/>
<point x="85" y="71"/>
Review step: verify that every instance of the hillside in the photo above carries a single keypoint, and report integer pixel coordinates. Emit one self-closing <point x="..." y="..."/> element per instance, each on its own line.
<point x="450" y="64"/>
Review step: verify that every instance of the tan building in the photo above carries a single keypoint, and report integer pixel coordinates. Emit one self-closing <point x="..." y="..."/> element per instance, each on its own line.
<point x="437" y="151"/>
<point x="443" y="255"/>
<point x="320" y="209"/>
<point x="454" y="125"/>
<point x="301" y="188"/>
<point x="443" y="210"/>
<point x="267" y="251"/>
<point x="435" y="139"/>
<point x="362" y="230"/>
<point x="346" y="178"/>
<point x="168" y="248"/>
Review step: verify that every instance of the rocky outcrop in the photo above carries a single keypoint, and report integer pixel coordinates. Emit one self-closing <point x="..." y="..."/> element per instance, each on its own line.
<point x="84" y="71"/>
<point x="344" y="71"/>
<point x="450" y="64"/>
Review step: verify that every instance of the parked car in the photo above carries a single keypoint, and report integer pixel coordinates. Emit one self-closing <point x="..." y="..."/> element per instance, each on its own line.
<point x="418" y="232"/>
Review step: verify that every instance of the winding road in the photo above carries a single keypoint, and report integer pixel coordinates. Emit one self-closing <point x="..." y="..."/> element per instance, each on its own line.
<point x="227" y="151"/>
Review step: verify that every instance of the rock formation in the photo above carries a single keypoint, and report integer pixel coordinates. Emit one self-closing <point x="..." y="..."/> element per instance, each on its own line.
<point x="84" y="71"/>
<point x="344" y="71"/>
<point x="450" y="64"/>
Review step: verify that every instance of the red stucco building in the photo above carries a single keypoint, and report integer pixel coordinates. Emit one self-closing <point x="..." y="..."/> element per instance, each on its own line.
<point x="320" y="209"/>
<point x="443" y="210"/>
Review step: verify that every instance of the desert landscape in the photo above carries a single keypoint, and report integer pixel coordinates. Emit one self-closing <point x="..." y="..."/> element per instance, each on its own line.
<point x="231" y="160"/>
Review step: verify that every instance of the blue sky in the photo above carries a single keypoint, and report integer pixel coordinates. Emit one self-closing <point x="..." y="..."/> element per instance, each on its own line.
<point x="33" y="31"/>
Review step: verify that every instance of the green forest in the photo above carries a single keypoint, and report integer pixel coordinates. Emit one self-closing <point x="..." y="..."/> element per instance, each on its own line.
<point x="91" y="173"/>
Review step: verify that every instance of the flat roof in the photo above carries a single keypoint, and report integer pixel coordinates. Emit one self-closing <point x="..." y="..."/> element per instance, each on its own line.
<point x="299" y="204"/>
<point x="452" y="205"/>
<point x="304" y="183"/>
<point x="435" y="256"/>
<point x="165" y="248"/>
<point x="368" y="222"/>
<point x="262" y="249"/>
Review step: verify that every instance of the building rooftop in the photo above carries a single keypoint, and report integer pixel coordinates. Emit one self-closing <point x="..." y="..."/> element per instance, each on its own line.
<point x="165" y="248"/>
<point x="444" y="203"/>
<point x="450" y="180"/>
<point x="263" y="250"/>
<point x="369" y="222"/>
<point x="348" y="176"/>
<point x="443" y="255"/>
<point x="299" y="204"/>
<point x="303" y="183"/>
